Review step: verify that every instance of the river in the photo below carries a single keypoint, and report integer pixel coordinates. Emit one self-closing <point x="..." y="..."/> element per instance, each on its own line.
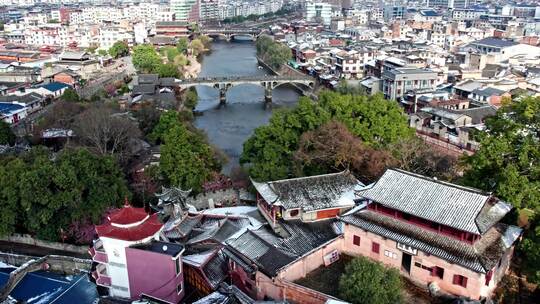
<point x="229" y="126"/>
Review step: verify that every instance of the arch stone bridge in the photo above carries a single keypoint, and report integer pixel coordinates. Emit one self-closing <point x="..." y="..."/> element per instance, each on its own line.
<point x="305" y="83"/>
<point x="229" y="33"/>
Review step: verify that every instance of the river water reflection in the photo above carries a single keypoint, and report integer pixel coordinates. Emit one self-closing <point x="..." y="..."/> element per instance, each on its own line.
<point x="229" y="126"/>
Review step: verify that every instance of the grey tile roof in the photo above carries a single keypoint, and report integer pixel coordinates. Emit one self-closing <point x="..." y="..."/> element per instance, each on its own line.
<point x="311" y="193"/>
<point x="488" y="92"/>
<point x="478" y="114"/>
<point x="481" y="256"/>
<point x="268" y="258"/>
<point x="494" y="42"/>
<point x="184" y="228"/>
<point x="216" y="270"/>
<point x="271" y="252"/>
<point x="444" y="203"/>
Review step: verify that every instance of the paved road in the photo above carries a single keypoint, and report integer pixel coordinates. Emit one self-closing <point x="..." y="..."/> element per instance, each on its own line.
<point x="31" y="250"/>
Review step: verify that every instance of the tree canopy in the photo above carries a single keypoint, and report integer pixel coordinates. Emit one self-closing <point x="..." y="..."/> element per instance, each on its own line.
<point x="375" y="121"/>
<point x="167" y="70"/>
<point x="197" y="47"/>
<point x="186" y="159"/>
<point x="365" y="279"/>
<point x="182" y="45"/>
<point x="145" y="58"/>
<point x="273" y="53"/>
<point x="119" y="49"/>
<point x="46" y="194"/>
<point x="70" y="95"/>
<point x="508" y="161"/>
<point x="7" y="137"/>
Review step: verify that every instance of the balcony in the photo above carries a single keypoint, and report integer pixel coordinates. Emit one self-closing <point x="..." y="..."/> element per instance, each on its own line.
<point x="97" y="252"/>
<point x="101" y="276"/>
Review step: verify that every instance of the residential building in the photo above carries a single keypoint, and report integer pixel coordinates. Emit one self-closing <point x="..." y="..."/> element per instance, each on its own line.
<point x="319" y="11"/>
<point x="123" y="228"/>
<point x="435" y="233"/>
<point x="208" y="10"/>
<point x="12" y="112"/>
<point x="290" y="199"/>
<point x="185" y="10"/>
<point x="398" y="81"/>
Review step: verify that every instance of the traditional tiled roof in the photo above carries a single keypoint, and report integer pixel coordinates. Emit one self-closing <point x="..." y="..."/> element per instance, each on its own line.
<point x="219" y="234"/>
<point x="148" y="228"/>
<point x="444" y="203"/>
<point x="216" y="270"/>
<point x="271" y="253"/>
<point x="311" y="193"/>
<point x="177" y="229"/>
<point x="127" y="215"/>
<point x="481" y="256"/>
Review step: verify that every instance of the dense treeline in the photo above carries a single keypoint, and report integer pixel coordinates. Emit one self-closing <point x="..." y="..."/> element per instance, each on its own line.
<point x="52" y="195"/>
<point x="273" y="53"/>
<point x="365" y="134"/>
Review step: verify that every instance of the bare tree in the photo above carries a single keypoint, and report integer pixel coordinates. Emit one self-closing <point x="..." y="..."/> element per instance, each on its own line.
<point x="332" y="147"/>
<point x="106" y="132"/>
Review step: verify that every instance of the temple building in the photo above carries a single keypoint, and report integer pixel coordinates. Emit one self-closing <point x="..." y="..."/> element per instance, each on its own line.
<point x="131" y="261"/>
<point x="438" y="234"/>
<point x="307" y="199"/>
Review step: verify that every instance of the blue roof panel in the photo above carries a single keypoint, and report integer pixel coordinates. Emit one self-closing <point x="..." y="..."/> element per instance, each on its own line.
<point x="46" y="287"/>
<point x="55" y="86"/>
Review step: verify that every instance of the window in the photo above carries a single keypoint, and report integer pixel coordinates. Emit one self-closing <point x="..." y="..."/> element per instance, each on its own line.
<point x="179" y="288"/>
<point x="375" y="247"/>
<point x="294" y="212"/>
<point x="437" y="272"/>
<point x="460" y="280"/>
<point x="356" y="240"/>
<point x="178" y="266"/>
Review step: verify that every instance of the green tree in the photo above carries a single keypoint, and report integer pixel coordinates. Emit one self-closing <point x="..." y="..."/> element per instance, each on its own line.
<point x="45" y="195"/>
<point x="273" y="53"/>
<point x="269" y="150"/>
<point x="365" y="279"/>
<point x="186" y="160"/>
<point x="530" y="250"/>
<point x="167" y="70"/>
<point x="171" y="53"/>
<point x="7" y="137"/>
<point x="206" y="41"/>
<point x="70" y="95"/>
<point x="167" y="121"/>
<point x="145" y="58"/>
<point x="182" y="45"/>
<point x="508" y="161"/>
<point x="10" y="171"/>
<point x="180" y="60"/>
<point x="103" y="52"/>
<point x="376" y="121"/>
<point x="190" y="99"/>
<point x="197" y="47"/>
<point x="119" y="49"/>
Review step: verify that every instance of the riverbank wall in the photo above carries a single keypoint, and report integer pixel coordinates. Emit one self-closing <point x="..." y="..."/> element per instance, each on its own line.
<point x="29" y="240"/>
<point x="57" y="263"/>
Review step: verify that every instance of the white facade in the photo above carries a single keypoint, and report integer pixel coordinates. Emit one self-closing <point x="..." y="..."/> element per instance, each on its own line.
<point x="109" y="35"/>
<point x="319" y="11"/>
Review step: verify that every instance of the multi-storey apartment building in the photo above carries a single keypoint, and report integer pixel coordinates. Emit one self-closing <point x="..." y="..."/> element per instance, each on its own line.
<point x="398" y="81"/>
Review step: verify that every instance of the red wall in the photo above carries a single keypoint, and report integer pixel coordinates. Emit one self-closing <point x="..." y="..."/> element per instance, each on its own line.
<point x="153" y="274"/>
